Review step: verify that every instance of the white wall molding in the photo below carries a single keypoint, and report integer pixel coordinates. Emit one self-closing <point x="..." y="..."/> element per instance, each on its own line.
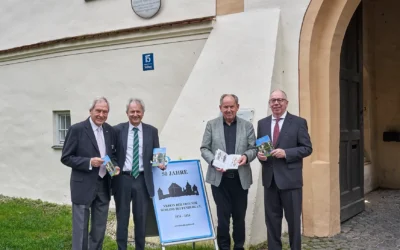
<point x="154" y="36"/>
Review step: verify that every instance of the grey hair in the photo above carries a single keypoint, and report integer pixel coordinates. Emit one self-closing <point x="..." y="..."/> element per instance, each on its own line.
<point x="276" y="90"/>
<point x="99" y="99"/>
<point x="225" y="95"/>
<point x="137" y="101"/>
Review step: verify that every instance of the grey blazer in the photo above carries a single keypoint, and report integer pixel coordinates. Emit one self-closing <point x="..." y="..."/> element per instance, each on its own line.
<point x="214" y="139"/>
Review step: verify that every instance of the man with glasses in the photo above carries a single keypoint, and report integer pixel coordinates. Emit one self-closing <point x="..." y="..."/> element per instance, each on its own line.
<point x="282" y="171"/>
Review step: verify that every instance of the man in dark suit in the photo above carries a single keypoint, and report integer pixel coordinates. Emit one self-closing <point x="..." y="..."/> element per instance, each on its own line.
<point x="135" y="143"/>
<point x="230" y="188"/>
<point x="282" y="175"/>
<point x="84" y="146"/>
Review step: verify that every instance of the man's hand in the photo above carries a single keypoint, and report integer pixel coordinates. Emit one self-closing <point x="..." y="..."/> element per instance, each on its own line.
<point x="261" y="156"/>
<point x="242" y="160"/>
<point x="96" y="162"/>
<point x="220" y="169"/>
<point x="118" y="170"/>
<point x="162" y="166"/>
<point x="278" y="153"/>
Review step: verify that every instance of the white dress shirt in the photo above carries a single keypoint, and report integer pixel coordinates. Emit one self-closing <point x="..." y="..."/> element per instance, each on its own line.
<point x="95" y="127"/>
<point x="129" y="148"/>
<point x="282" y="119"/>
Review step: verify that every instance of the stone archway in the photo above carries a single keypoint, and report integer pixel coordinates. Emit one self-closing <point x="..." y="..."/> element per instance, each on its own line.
<point x="322" y="33"/>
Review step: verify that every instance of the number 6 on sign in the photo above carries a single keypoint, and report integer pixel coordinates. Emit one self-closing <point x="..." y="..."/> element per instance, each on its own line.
<point x="148" y="61"/>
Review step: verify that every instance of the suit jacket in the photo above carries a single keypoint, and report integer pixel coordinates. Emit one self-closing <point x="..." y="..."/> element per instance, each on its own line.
<point x="295" y="140"/>
<point x="214" y="138"/>
<point x="150" y="141"/>
<point x="80" y="146"/>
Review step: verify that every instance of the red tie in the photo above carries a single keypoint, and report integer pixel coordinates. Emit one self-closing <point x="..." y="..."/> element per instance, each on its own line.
<point x="276" y="132"/>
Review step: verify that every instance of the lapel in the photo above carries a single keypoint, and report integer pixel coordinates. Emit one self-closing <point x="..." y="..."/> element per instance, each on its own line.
<point x="146" y="137"/>
<point x="220" y="125"/>
<point x="268" y="126"/>
<point x="124" y="135"/>
<point x="107" y="139"/>
<point x="285" y="127"/>
<point x="90" y="134"/>
<point x="239" y="132"/>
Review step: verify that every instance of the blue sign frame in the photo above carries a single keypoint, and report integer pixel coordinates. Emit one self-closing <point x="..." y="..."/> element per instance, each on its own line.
<point x="166" y="219"/>
<point x="148" y="61"/>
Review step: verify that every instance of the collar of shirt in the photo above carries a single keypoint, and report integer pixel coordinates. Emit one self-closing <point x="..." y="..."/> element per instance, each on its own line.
<point x="234" y="121"/>
<point x="94" y="126"/>
<point x="139" y="127"/>
<point x="282" y="117"/>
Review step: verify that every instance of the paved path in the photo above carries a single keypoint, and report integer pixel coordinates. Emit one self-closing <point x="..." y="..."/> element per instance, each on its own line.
<point x="377" y="228"/>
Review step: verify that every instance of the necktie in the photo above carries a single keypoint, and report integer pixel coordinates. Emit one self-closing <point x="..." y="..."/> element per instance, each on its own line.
<point x="135" y="156"/>
<point x="102" y="149"/>
<point x="276" y="131"/>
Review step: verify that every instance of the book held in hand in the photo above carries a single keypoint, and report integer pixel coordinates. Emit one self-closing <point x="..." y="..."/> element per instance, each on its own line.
<point x="160" y="157"/>
<point x="264" y="145"/>
<point x="225" y="161"/>
<point x="109" y="165"/>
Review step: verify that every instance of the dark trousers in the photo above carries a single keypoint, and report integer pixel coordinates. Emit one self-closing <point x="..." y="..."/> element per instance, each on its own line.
<point x="275" y="201"/>
<point x="98" y="209"/>
<point x="134" y="190"/>
<point x="231" y="200"/>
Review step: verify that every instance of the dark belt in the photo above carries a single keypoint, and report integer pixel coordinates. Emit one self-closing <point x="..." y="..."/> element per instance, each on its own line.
<point x="231" y="174"/>
<point x="130" y="173"/>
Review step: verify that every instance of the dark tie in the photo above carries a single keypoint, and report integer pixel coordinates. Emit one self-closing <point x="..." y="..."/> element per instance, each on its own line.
<point x="135" y="156"/>
<point x="276" y="131"/>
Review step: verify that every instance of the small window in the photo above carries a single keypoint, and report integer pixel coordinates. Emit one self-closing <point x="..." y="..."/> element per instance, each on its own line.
<point x="62" y="122"/>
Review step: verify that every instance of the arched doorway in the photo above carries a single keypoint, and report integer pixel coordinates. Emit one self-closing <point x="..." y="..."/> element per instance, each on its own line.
<point x="322" y="34"/>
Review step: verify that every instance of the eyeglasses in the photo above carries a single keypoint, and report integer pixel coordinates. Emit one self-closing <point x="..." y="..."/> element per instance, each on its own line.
<point x="279" y="100"/>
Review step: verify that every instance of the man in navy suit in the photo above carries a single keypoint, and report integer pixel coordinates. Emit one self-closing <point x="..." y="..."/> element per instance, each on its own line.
<point x="282" y="175"/>
<point x="84" y="146"/>
<point x="135" y="143"/>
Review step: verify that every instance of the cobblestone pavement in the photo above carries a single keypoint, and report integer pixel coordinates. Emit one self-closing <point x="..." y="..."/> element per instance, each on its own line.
<point x="377" y="228"/>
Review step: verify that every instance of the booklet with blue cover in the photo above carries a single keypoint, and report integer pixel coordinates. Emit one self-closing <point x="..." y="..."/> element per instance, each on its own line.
<point x="264" y="145"/>
<point x="109" y="165"/>
<point x="159" y="157"/>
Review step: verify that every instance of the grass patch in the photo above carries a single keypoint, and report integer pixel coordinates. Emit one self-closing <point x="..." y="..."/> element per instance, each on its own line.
<point x="34" y="224"/>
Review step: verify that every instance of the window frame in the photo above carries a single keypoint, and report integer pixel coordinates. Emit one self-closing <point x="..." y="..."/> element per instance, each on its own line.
<point x="59" y="117"/>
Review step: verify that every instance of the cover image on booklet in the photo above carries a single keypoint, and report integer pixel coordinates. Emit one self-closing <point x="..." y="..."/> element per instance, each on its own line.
<point x="109" y="165"/>
<point x="159" y="156"/>
<point x="225" y="161"/>
<point x="264" y="145"/>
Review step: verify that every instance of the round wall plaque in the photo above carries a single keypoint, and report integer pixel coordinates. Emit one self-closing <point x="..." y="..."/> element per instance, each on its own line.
<point x="146" y="8"/>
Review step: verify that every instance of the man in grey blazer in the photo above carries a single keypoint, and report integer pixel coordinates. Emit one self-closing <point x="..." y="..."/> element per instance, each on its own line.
<point x="135" y="143"/>
<point x="282" y="172"/>
<point x="232" y="135"/>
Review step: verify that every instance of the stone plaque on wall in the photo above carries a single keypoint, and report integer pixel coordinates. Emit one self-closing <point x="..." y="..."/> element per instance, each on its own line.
<point x="146" y="8"/>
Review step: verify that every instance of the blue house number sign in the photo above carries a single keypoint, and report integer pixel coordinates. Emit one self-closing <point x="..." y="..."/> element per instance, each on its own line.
<point x="148" y="61"/>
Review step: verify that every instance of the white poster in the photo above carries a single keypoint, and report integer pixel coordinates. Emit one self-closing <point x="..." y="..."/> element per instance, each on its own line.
<point x="180" y="203"/>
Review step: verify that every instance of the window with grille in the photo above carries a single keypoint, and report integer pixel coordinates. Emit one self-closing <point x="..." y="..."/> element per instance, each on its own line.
<point x="62" y="122"/>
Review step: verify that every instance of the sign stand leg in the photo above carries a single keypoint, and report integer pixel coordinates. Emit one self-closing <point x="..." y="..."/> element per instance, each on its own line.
<point x="193" y="245"/>
<point x="163" y="247"/>
<point x="216" y="244"/>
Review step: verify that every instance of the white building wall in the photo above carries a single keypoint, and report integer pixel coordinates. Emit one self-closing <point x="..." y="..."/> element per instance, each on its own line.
<point x="292" y="15"/>
<point x="27" y="22"/>
<point x="31" y="90"/>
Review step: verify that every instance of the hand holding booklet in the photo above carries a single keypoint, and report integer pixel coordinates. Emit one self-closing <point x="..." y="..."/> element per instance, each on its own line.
<point x="109" y="166"/>
<point x="225" y="161"/>
<point x="264" y="145"/>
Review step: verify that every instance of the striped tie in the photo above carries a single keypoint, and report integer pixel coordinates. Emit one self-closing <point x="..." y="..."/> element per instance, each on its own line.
<point x="135" y="160"/>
